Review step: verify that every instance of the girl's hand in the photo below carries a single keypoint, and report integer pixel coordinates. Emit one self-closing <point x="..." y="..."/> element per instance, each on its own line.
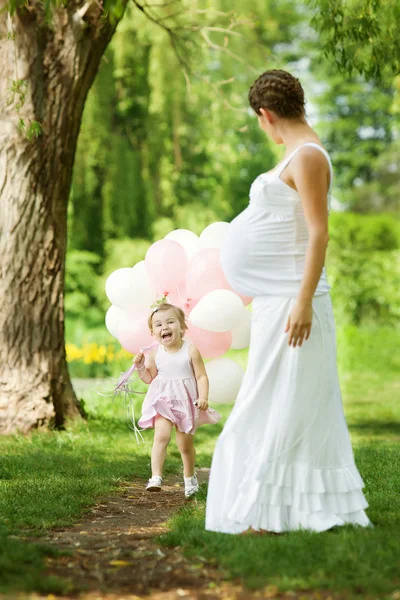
<point x="139" y="360"/>
<point x="299" y="323"/>
<point x="202" y="403"/>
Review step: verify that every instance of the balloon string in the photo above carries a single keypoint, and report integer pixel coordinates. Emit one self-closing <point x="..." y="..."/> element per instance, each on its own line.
<point x="123" y="386"/>
<point x="179" y="296"/>
<point x="124" y="377"/>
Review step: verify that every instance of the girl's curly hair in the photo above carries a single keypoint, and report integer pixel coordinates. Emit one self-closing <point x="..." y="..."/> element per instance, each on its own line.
<point x="280" y="92"/>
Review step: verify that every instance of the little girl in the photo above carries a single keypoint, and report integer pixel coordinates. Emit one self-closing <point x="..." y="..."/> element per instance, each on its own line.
<point x="177" y="396"/>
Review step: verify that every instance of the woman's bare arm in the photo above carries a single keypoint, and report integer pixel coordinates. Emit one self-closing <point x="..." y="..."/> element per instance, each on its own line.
<point x="310" y="173"/>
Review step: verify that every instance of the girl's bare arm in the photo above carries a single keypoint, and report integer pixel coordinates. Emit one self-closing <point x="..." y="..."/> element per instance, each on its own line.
<point x="149" y="372"/>
<point x="201" y="377"/>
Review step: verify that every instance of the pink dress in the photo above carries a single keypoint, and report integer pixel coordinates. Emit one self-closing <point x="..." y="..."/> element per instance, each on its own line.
<point x="173" y="391"/>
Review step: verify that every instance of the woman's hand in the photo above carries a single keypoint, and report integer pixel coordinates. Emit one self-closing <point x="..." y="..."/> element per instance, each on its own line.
<point x="299" y="323"/>
<point x="202" y="403"/>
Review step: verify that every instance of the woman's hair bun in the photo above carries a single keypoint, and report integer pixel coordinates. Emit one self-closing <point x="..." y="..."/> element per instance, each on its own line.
<point x="279" y="91"/>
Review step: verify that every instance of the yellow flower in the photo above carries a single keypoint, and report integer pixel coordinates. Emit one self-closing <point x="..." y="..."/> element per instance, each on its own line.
<point x="73" y="352"/>
<point x="91" y="353"/>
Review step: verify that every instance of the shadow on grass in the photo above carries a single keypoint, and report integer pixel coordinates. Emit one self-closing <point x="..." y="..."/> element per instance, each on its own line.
<point x="377" y="429"/>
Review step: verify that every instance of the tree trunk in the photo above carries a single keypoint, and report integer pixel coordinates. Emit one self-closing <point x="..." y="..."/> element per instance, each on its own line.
<point x="58" y="61"/>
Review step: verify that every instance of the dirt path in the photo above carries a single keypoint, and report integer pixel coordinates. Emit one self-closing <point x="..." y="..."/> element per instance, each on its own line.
<point x="112" y="554"/>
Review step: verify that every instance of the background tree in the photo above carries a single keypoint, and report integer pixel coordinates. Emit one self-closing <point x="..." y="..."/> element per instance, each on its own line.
<point x="360" y="36"/>
<point x="355" y="114"/>
<point x="48" y="68"/>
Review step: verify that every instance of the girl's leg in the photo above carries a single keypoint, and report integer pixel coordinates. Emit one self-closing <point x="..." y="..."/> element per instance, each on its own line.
<point x="162" y="436"/>
<point x="186" y="448"/>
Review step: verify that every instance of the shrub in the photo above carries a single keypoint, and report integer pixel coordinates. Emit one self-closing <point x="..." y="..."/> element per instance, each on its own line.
<point x="363" y="266"/>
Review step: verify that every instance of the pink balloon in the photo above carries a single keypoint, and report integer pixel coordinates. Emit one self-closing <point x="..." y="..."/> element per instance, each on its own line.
<point x="209" y="343"/>
<point x="188" y="306"/>
<point x="134" y="334"/>
<point x="178" y="295"/>
<point x="179" y="298"/>
<point x="205" y="274"/>
<point x="245" y="299"/>
<point x="166" y="264"/>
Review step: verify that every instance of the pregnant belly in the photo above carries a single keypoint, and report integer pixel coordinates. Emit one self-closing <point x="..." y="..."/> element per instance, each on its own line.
<point x="257" y="252"/>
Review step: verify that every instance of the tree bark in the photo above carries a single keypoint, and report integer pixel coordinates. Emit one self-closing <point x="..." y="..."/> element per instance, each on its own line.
<point x="58" y="61"/>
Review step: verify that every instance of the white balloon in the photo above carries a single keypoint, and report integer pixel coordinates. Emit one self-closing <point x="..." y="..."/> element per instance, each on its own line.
<point x="147" y="293"/>
<point x="241" y="332"/>
<point x="187" y="239"/>
<point x="127" y="288"/>
<point x="225" y="378"/>
<point x="219" y="310"/>
<point x="114" y="317"/>
<point x="212" y="236"/>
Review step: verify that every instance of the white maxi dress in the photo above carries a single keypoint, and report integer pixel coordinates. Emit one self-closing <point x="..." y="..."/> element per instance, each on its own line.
<point x="284" y="459"/>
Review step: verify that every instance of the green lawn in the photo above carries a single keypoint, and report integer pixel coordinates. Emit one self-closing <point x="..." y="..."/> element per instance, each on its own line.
<point x="49" y="479"/>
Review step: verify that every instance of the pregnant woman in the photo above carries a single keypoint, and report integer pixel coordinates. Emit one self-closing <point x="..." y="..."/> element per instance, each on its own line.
<point x="284" y="460"/>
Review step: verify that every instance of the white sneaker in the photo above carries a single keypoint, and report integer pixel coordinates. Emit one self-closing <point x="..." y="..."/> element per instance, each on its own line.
<point x="154" y="484"/>
<point x="191" y="485"/>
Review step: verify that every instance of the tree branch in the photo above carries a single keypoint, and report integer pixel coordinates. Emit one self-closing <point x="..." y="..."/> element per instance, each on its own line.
<point x="171" y="33"/>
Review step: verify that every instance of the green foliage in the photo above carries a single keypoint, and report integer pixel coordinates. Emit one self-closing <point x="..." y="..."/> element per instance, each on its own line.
<point x="85" y="297"/>
<point x="124" y="253"/>
<point x="363" y="265"/>
<point x="382" y="192"/>
<point x="81" y="287"/>
<point x="368" y="351"/>
<point x="34" y="129"/>
<point x="114" y="10"/>
<point x="356" y="126"/>
<point x="360" y="36"/>
<point x="87" y="210"/>
<point x="193" y="216"/>
<point x="16" y="96"/>
<point x="17" y="93"/>
<point x="364" y="233"/>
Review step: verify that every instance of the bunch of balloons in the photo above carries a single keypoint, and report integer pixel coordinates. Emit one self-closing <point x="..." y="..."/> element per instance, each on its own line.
<point x="184" y="269"/>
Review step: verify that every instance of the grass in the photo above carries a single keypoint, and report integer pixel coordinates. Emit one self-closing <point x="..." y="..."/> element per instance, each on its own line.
<point x="49" y="479"/>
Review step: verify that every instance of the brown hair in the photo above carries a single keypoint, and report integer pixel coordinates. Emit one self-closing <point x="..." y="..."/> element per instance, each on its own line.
<point x="278" y="91"/>
<point x="162" y="308"/>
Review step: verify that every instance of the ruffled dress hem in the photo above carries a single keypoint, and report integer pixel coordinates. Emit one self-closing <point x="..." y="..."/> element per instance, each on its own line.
<point x="174" y="400"/>
<point x="282" y="519"/>
<point x="294" y="496"/>
<point x="288" y="497"/>
<point x="179" y="416"/>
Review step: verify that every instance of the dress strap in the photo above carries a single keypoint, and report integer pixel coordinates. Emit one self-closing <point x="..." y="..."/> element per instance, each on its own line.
<point x="287" y="160"/>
